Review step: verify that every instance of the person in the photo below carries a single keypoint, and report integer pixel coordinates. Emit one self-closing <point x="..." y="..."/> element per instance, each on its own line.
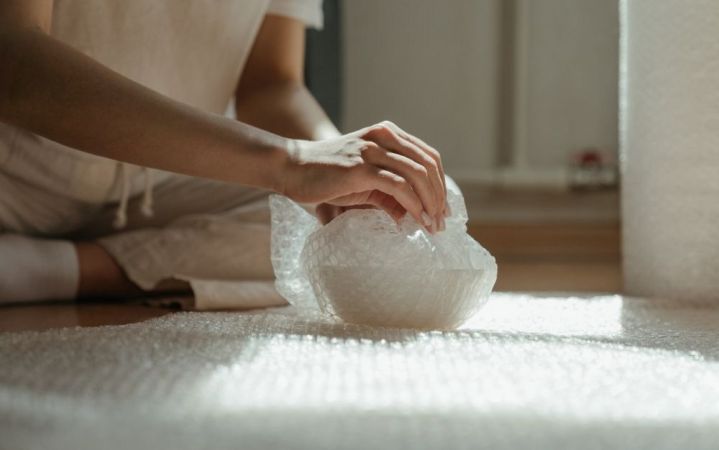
<point x="120" y="173"/>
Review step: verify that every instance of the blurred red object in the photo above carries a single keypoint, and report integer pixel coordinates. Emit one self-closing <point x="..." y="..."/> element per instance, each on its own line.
<point x="590" y="157"/>
<point x="592" y="169"/>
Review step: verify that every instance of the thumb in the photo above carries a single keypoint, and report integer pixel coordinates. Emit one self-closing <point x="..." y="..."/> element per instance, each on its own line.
<point x="326" y="212"/>
<point x="387" y="203"/>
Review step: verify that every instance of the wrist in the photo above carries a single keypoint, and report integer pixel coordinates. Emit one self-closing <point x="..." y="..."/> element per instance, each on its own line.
<point x="280" y="160"/>
<point x="266" y="160"/>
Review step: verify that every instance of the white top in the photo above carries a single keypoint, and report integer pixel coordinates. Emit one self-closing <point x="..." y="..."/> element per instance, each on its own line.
<point x="191" y="51"/>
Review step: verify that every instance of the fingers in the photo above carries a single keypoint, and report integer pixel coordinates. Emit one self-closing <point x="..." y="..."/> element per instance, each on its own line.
<point x="326" y="212"/>
<point x="436" y="178"/>
<point x="430" y="151"/>
<point x="387" y="203"/>
<point x="413" y="172"/>
<point x="434" y="154"/>
<point x="398" y="188"/>
<point x="412" y="162"/>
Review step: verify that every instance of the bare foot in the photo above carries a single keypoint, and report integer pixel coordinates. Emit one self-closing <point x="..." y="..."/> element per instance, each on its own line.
<point x="102" y="276"/>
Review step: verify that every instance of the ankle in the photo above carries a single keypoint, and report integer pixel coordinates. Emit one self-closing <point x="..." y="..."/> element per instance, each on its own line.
<point x="101" y="275"/>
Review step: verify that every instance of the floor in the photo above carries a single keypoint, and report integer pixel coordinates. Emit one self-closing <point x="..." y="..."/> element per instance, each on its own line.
<point x="541" y="370"/>
<point x="530" y="371"/>
<point x="543" y="241"/>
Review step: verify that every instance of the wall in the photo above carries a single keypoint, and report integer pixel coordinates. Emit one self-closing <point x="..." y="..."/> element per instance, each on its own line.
<point x="434" y="67"/>
<point x="571" y="100"/>
<point x="427" y="67"/>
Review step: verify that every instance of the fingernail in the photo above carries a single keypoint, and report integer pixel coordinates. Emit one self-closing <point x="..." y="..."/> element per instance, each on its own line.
<point x="426" y="220"/>
<point x="442" y="224"/>
<point x="447" y="211"/>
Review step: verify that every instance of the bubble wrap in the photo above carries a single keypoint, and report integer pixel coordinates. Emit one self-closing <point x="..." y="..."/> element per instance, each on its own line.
<point x="528" y="372"/>
<point x="364" y="268"/>
<point x="670" y="148"/>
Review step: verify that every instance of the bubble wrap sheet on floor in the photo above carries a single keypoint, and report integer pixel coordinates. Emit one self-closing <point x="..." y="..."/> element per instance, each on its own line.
<point x="527" y="372"/>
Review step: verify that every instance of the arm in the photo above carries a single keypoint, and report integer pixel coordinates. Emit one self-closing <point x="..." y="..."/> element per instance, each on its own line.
<point x="271" y="93"/>
<point x="57" y="92"/>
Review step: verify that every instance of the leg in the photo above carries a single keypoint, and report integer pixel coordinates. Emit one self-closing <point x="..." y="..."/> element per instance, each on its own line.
<point x="35" y="269"/>
<point x="46" y="268"/>
<point x="202" y="230"/>
<point x="102" y="276"/>
<point x="206" y="233"/>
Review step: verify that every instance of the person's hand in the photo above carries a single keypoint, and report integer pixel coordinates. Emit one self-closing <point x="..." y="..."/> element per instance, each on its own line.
<point x="380" y="166"/>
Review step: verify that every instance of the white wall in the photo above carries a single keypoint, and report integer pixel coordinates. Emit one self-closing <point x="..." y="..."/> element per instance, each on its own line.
<point x="431" y="66"/>
<point x="573" y="55"/>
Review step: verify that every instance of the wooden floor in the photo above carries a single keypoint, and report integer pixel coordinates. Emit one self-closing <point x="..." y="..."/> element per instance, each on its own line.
<point x="56" y="315"/>
<point x="557" y="257"/>
<point x="543" y="242"/>
<point x="549" y="240"/>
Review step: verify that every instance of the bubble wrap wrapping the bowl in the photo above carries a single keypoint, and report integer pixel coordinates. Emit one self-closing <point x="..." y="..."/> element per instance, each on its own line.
<point x="364" y="268"/>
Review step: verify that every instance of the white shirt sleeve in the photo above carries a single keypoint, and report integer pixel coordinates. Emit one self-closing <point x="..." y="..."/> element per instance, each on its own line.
<point x="307" y="11"/>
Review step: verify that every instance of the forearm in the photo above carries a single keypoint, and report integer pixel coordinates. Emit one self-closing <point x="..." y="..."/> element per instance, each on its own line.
<point x="288" y="110"/>
<point x="55" y="91"/>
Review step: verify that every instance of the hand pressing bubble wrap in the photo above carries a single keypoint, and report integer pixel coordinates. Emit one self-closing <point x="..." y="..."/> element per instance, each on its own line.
<point x="364" y="268"/>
